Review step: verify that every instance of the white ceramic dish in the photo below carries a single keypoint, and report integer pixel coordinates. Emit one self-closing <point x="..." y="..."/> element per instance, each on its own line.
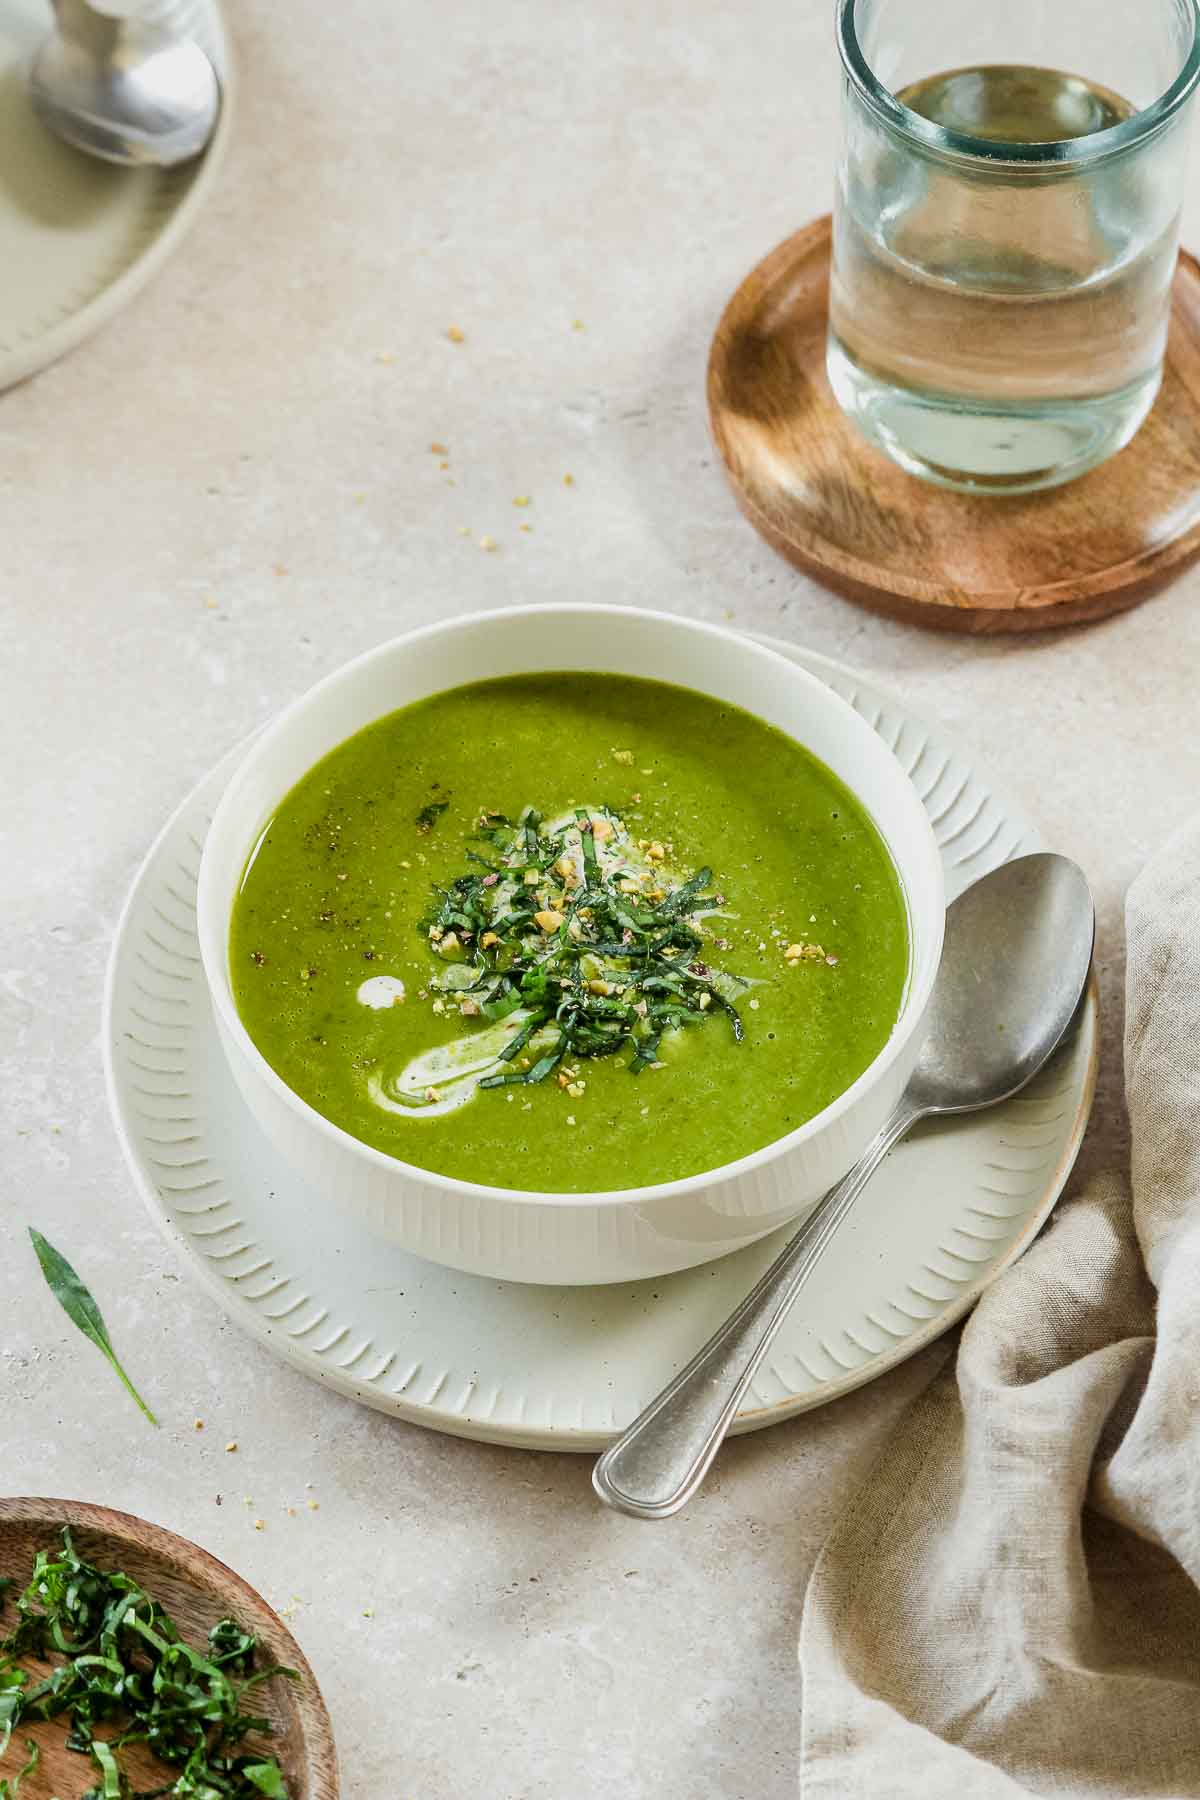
<point x="547" y="1237"/>
<point x="565" y="1368"/>
<point x="79" y="238"/>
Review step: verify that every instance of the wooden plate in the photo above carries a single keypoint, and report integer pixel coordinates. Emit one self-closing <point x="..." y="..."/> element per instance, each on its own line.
<point x="838" y="508"/>
<point x="197" y="1590"/>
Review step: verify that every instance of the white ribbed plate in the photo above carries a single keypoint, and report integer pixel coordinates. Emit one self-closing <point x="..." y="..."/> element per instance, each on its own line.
<point x="562" y="1368"/>
<point x="79" y="237"/>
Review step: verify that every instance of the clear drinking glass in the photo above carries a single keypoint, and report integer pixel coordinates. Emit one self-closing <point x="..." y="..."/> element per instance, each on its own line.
<point x="1006" y="228"/>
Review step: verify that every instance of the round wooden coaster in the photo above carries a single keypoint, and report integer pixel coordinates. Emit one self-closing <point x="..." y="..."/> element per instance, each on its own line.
<point x="838" y="508"/>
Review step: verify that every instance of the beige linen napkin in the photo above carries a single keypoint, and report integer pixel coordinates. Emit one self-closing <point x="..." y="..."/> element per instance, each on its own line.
<point x="1010" y="1606"/>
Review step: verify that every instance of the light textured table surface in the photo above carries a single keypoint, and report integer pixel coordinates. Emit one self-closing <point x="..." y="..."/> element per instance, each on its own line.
<point x="228" y="494"/>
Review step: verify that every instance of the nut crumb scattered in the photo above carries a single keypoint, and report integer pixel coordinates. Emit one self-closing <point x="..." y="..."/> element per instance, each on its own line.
<point x="488" y="543"/>
<point x="522" y="500"/>
<point x="455" y="335"/>
<point x="568" y="481"/>
<point x="436" y="449"/>
<point x="260" y="1524"/>
<point x="314" y="1506"/>
<point x="230" y="1447"/>
<point x="199" y="1425"/>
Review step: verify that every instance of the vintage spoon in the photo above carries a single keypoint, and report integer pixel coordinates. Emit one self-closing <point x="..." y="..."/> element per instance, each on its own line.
<point x="127" y="91"/>
<point x="1015" y="964"/>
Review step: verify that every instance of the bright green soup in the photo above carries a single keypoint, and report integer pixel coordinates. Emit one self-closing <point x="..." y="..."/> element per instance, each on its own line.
<point x="657" y="931"/>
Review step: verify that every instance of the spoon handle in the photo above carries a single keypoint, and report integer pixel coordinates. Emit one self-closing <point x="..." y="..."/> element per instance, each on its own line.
<point x="654" y="1468"/>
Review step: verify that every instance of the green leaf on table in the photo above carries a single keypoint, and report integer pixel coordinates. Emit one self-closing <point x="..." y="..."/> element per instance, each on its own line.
<point x="80" y="1307"/>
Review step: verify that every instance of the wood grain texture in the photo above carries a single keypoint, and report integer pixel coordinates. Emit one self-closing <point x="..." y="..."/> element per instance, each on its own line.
<point x="839" y="509"/>
<point x="197" y="1590"/>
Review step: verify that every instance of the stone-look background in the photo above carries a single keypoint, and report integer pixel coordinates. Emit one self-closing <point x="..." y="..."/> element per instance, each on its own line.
<point x="229" y="493"/>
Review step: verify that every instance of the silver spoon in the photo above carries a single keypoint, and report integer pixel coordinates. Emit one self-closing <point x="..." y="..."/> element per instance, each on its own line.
<point x="123" y="90"/>
<point x="1015" y="964"/>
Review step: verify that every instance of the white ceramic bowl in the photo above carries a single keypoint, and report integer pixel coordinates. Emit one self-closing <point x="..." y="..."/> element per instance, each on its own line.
<point x="574" y="1238"/>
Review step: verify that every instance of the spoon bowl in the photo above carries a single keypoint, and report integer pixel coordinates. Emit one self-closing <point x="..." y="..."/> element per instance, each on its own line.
<point x="1017" y="950"/>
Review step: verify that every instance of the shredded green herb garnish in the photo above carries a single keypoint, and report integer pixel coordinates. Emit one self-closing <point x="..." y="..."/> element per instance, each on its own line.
<point x="9" y="1789"/>
<point x="429" y="815"/>
<point x="80" y="1307"/>
<point x="127" y="1677"/>
<point x="586" y="934"/>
